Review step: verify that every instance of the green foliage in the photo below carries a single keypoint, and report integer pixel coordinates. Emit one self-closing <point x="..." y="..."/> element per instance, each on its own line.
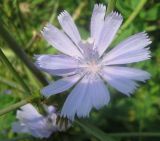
<point x="138" y="113"/>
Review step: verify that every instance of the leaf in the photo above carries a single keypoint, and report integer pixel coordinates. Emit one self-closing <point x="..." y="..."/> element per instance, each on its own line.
<point x="94" y="131"/>
<point x="152" y="14"/>
<point x="123" y="8"/>
<point x="32" y="79"/>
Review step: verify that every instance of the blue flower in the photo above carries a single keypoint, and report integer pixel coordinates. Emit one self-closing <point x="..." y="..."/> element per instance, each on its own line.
<point x="32" y="122"/>
<point x="88" y="64"/>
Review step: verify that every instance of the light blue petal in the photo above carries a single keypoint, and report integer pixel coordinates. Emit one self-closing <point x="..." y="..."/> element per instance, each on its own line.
<point x="128" y="73"/>
<point x="99" y="93"/>
<point x="74" y="100"/>
<point x="69" y="26"/>
<point x="96" y="96"/>
<point x="39" y="128"/>
<point x="57" y="64"/>
<point x="31" y="122"/>
<point x="82" y="98"/>
<point x="131" y="50"/>
<point x="122" y="84"/>
<point x="111" y="25"/>
<point x="27" y="113"/>
<point x="60" y="85"/>
<point x="19" y="127"/>
<point x="97" y="21"/>
<point x="60" y="41"/>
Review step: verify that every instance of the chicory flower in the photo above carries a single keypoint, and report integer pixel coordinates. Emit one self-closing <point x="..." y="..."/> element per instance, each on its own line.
<point x="90" y="66"/>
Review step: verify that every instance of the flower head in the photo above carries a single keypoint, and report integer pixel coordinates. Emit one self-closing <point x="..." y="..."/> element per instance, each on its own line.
<point x="32" y="122"/>
<point x="88" y="65"/>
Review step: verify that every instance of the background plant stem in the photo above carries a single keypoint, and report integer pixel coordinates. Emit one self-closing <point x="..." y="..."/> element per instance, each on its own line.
<point x="129" y="20"/>
<point x="111" y="5"/>
<point x="78" y="10"/>
<point x="11" y="84"/>
<point x="135" y="134"/>
<point x="9" y="65"/>
<point x="25" y="87"/>
<point x="17" y="105"/>
<point x="21" y="54"/>
<point x="101" y="135"/>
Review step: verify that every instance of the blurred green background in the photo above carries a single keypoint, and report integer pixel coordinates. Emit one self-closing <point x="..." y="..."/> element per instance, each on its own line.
<point x="139" y="113"/>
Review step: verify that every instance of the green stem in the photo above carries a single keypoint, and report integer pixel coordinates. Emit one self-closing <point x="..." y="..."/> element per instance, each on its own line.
<point x="111" y="5"/>
<point x="21" y="54"/>
<point x="20" y="17"/>
<point x="11" y="84"/>
<point x="78" y="10"/>
<point x="21" y="138"/>
<point x="25" y="87"/>
<point x="9" y="65"/>
<point x="135" y="134"/>
<point x="93" y="130"/>
<point x="52" y="17"/>
<point x="6" y="21"/>
<point x="133" y="15"/>
<point x="55" y="7"/>
<point x="17" y="105"/>
<point x="99" y="134"/>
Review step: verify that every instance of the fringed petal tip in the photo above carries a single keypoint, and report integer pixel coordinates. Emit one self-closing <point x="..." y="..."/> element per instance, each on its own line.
<point x="37" y="63"/>
<point x="46" y="28"/>
<point x="36" y="56"/>
<point x="130" y="92"/>
<point x="147" y="54"/>
<point x="99" y="7"/>
<point x="72" y="117"/>
<point x="65" y="114"/>
<point x="115" y="15"/>
<point x="69" y="26"/>
<point x="63" y="14"/>
<point x="38" y="59"/>
<point x="145" y="35"/>
<point x="86" y="115"/>
<point x="133" y="90"/>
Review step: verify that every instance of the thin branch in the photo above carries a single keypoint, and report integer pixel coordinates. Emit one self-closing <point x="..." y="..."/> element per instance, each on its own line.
<point x="17" y="105"/>
<point x="111" y="5"/>
<point x="15" y="73"/>
<point x="53" y="15"/>
<point x="101" y="135"/>
<point x="130" y="19"/>
<point x="37" y="32"/>
<point x="78" y="10"/>
<point x="135" y="134"/>
<point x="18" y="50"/>
<point x="11" y="84"/>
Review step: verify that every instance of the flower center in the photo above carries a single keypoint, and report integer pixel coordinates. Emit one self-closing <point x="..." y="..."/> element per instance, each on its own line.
<point x="92" y="67"/>
<point x="90" y="63"/>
